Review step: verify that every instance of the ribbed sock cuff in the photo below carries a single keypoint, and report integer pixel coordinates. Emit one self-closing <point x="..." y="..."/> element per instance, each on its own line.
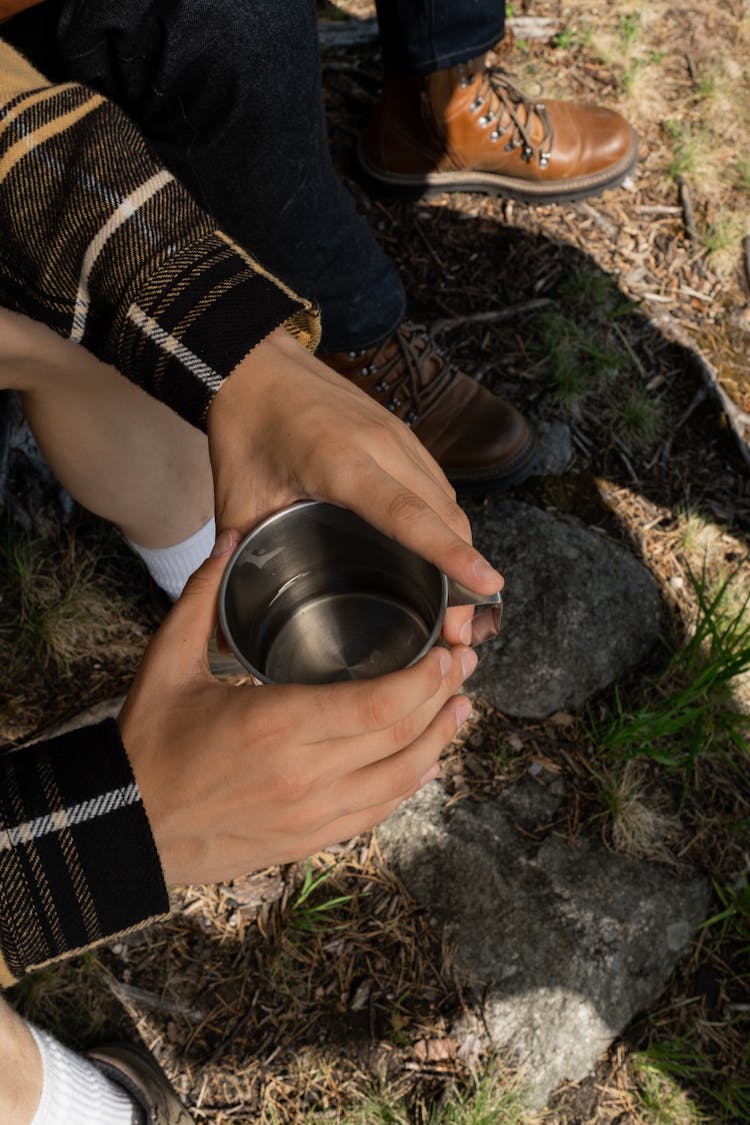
<point x="75" y="1092"/>
<point x="170" y="567"/>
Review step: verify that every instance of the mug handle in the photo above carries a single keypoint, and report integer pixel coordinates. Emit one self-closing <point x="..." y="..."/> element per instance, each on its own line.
<point x="487" y="621"/>
<point x="462" y="595"/>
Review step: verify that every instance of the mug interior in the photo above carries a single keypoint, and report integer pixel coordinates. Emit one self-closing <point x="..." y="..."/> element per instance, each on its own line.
<point x="316" y="595"/>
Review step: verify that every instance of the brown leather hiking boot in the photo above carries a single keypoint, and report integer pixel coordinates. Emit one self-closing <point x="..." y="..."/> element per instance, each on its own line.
<point x="480" y="440"/>
<point x="134" y="1068"/>
<point x="468" y="128"/>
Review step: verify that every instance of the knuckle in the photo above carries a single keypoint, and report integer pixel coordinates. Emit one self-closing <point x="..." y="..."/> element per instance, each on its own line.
<point x="404" y="731"/>
<point x="378" y="709"/>
<point x="406" y="506"/>
<point x="291" y="786"/>
<point x="402" y="781"/>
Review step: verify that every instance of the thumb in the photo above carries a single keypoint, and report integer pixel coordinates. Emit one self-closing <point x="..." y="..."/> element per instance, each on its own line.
<point x="191" y="621"/>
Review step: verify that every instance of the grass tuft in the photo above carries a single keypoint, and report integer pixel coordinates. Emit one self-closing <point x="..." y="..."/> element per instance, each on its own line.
<point x="55" y="612"/>
<point x="690" y="713"/>
<point x="493" y="1098"/>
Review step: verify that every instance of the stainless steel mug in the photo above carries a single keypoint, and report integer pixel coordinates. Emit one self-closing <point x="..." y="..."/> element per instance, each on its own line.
<point x="314" y="594"/>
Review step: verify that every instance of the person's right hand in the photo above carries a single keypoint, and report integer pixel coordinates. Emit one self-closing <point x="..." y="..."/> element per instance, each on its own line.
<point x="235" y="778"/>
<point x="285" y="427"/>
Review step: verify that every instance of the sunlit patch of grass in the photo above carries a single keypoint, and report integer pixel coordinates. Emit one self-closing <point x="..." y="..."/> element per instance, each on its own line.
<point x="666" y="1068"/>
<point x="492" y="1099"/>
<point x="743" y="175"/>
<point x="698" y="534"/>
<point x="687" y="713"/>
<point x="628" y="27"/>
<point x="308" y="914"/>
<point x="662" y="1101"/>
<point x="640" y="822"/>
<point x="690" y="149"/>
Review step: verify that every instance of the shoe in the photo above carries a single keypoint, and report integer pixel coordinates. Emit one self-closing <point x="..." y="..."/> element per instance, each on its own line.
<point x="468" y="128"/>
<point x="480" y="440"/>
<point x="137" y="1071"/>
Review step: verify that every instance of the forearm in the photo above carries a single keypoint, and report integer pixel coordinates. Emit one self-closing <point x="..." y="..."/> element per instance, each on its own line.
<point x="99" y="241"/>
<point x="77" y="860"/>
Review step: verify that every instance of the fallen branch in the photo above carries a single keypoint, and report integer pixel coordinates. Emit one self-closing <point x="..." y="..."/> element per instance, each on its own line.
<point x="687" y="208"/>
<point x="492" y="316"/>
<point x="534" y="27"/>
<point x="738" y="421"/>
<point x="699" y="397"/>
<point x="746" y="255"/>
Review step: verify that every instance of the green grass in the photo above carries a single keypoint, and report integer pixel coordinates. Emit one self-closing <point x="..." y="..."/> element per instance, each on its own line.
<point x="578" y="363"/>
<point x="689" y="713"/>
<point x="662" y="1101"/>
<point x="628" y="28"/>
<point x="492" y="1099"/>
<point x="733" y="920"/>
<point x="307" y="914"/>
<point x="55" y="612"/>
<point x="640" y="416"/>
<point x="688" y="148"/>
<point x="680" y="1085"/>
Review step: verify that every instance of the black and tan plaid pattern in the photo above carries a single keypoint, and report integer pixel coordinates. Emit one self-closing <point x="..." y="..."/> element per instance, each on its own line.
<point x="78" y="862"/>
<point x="99" y="241"/>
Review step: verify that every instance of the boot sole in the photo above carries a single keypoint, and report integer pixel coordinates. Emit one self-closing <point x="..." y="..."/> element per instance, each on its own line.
<point x="428" y="184"/>
<point x="516" y="472"/>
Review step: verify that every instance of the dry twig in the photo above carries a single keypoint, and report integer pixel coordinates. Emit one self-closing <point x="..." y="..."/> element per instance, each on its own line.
<point x="492" y="316"/>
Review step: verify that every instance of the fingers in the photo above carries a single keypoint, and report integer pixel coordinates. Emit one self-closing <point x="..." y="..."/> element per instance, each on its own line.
<point x="185" y="633"/>
<point x="486" y="624"/>
<point x="457" y="625"/>
<point x="379" y="745"/>
<point x="401" y="513"/>
<point x="370" y="794"/>
<point x="352" y="710"/>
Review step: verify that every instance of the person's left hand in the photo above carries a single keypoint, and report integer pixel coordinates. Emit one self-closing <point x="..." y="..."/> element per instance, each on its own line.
<point x="284" y="427"/>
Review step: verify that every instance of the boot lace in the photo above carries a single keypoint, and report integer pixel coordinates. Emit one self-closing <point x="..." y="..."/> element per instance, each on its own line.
<point x="412" y="373"/>
<point x="511" y="112"/>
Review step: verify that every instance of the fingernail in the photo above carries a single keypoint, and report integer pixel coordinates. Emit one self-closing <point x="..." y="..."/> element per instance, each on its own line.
<point x="445" y="661"/>
<point x="468" y="661"/>
<point x="462" y="712"/>
<point x="483" y="570"/>
<point x="465" y="633"/>
<point x="223" y="544"/>
<point x="431" y="774"/>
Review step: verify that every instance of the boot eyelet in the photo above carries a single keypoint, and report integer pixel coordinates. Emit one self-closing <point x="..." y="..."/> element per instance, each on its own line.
<point x="379" y="387"/>
<point x="476" y="104"/>
<point x="411" y="418"/>
<point x="365" y="371"/>
<point x="495" y="136"/>
<point x="544" y="159"/>
<point x="485" y="120"/>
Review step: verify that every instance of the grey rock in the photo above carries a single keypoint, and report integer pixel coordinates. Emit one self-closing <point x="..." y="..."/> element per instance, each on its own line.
<point x="580" y="611"/>
<point x="563" y="943"/>
<point x="555" y="451"/>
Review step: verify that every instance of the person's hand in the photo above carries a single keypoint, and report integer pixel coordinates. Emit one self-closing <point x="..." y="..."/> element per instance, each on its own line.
<point x="237" y="777"/>
<point x="284" y="427"/>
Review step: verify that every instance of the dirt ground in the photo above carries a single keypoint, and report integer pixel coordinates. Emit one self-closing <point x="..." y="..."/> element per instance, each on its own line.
<point x="629" y="319"/>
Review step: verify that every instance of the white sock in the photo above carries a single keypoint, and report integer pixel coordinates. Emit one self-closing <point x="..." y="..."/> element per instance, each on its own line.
<point x="74" y="1092"/>
<point x="170" y="567"/>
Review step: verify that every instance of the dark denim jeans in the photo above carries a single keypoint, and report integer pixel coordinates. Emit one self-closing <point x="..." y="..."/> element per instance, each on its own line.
<point x="229" y="95"/>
